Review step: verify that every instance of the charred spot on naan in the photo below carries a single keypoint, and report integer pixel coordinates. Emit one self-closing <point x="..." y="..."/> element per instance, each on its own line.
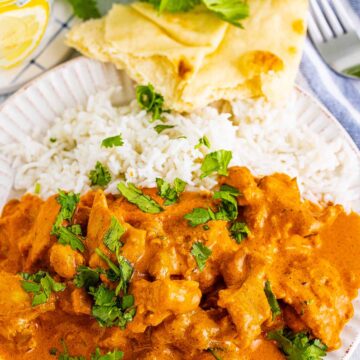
<point x="254" y="63"/>
<point x="184" y="69"/>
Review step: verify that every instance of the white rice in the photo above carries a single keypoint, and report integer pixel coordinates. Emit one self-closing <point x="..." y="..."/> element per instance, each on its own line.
<point x="265" y="139"/>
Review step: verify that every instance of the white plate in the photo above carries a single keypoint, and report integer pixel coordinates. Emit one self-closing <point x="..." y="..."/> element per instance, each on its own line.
<point x="70" y="84"/>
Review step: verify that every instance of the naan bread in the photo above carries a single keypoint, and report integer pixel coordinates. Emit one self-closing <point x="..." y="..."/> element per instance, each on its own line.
<point x="195" y="58"/>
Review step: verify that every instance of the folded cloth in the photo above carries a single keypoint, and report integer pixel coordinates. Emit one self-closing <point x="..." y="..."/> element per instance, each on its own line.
<point x="339" y="94"/>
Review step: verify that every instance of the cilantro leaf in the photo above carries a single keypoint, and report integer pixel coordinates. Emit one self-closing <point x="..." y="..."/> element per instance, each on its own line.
<point x="150" y="101"/>
<point x="239" y="231"/>
<point x="123" y="272"/>
<point x="40" y="284"/>
<point x="68" y="203"/>
<point x="138" y="198"/>
<point x="201" y="253"/>
<point x="113" y="235"/>
<point x="111" y="265"/>
<point x="203" y="141"/>
<point x="171" y="195"/>
<point x="67" y="235"/>
<point x="86" y="277"/>
<point x="231" y="11"/>
<point x="298" y="346"/>
<point x="274" y="305"/>
<point x="216" y="161"/>
<point x="107" y="308"/>
<point x="199" y="216"/>
<point x="37" y="188"/>
<point x="113" y="355"/>
<point x="100" y="176"/>
<point x="112" y="141"/>
<point x="173" y="5"/>
<point x="160" y="128"/>
<point x="214" y="354"/>
<point x="230" y="189"/>
<point x="85" y="9"/>
<point x="71" y="235"/>
<point x="126" y="273"/>
<point x="228" y="209"/>
<point x="127" y="301"/>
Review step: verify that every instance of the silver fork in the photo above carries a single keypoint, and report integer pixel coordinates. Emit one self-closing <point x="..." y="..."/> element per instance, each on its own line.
<point x="334" y="35"/>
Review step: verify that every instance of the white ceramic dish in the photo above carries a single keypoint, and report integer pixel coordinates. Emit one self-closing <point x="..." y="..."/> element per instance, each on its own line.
<point x="38" y="104"/>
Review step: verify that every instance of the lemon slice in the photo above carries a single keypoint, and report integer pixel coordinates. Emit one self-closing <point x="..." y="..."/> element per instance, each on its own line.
<point x="21" y="31"/>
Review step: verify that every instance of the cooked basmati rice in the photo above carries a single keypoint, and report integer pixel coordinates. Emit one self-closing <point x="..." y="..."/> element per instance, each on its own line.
<point x="265" y="139"/>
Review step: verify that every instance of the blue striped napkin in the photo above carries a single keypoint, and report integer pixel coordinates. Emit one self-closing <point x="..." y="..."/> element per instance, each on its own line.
<point x="340" y="95"/>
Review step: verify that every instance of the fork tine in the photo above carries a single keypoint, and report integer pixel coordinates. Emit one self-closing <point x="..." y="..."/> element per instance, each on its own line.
<point x="320" y="20"/>
<point x="314" y="32"/>
<point x="342" y="15"/>
<point x="332" y="19"/>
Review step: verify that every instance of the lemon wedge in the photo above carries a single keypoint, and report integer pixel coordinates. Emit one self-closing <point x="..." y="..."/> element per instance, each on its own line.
<point x="21" y="30"/>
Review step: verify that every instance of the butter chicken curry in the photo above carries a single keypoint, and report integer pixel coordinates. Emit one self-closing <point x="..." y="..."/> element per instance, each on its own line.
<point x="247" y="272"/>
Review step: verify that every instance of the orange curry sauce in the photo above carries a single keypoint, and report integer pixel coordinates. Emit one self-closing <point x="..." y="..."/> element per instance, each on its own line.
<point x="310" y="255"/>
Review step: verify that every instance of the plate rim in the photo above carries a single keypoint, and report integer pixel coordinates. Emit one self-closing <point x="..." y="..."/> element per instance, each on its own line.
<point x="82" y="60"/>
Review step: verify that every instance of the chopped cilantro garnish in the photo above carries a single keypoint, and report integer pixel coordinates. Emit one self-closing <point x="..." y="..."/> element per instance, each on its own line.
<point x="239" y="231"/>
<point x="214" y="354"/>
<point x="150" y="101"/>
<point x="274" y="305"/>
<point x="203" y="141"/>
<point x="199" y="216"/>
<point x="100" y="176"/>
<point x="127" y="301"/>
<point x="71" y="235"/>
<point x="113" y="235"/>
<point x="53" y="139"/>
<point x="67" y="235"/>
<point x="173" y="5"/>
<point x="40" y="284"/>
<point x="170" y="194"/>
<point x="123" y="272"/>
<point x="37" y="188"/>
<point x="111" y="355"/>
<point x="68" y="203"/>
<point x="228" y="209"/>
<point x="107" y="309"/>
<point x="112" y="141"/>
<point x="216" y="161"/>
<point x="201" y="253"/>
<point x="298" y="346"/>
<point x="138" y="198"/>
<point x="160" y="128"/>
<point x="231" y="11"/>
<point x="85" y="9"/>
<point x="86" y="277"/>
